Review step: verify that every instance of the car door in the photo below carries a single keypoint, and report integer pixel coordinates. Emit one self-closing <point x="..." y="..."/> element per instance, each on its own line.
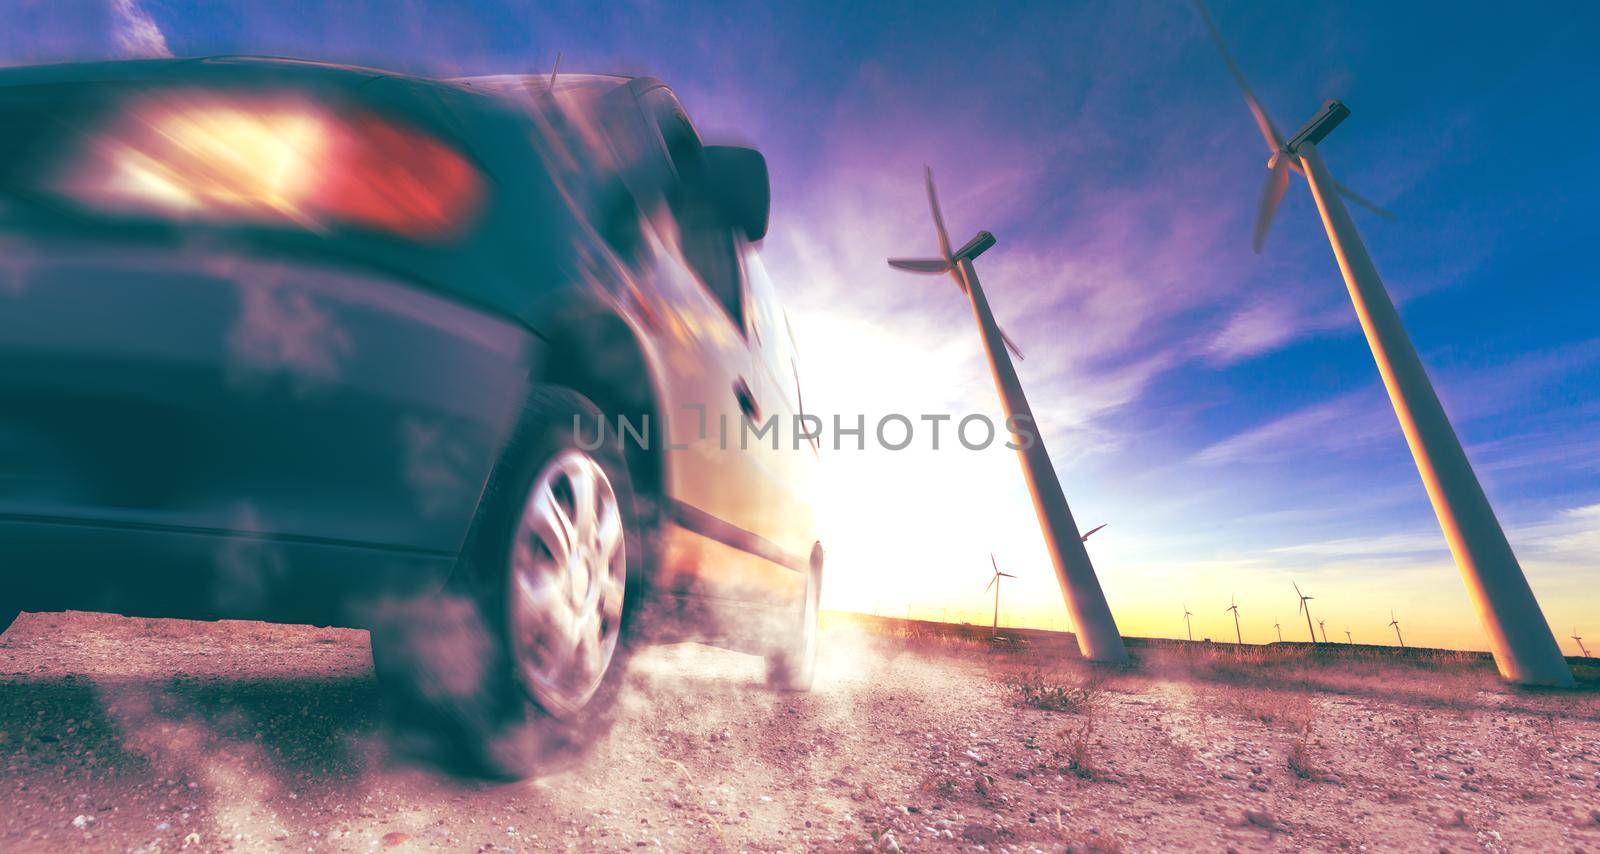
<point x="787" y="464"/>
<point x="720" y="489"/>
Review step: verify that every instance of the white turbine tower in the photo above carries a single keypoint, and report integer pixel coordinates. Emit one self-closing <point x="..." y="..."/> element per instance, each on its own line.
<point x="1524" y="647"/>
<point x="1307" y="609"/>
<point x="1098" y="638"/>
<point x="994" y="581"/>
<point x="1233" y="605"/>
<point x="1395" y="622"/>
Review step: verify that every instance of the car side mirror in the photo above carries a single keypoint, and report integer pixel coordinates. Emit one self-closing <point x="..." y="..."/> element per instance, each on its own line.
<point x="740" y="184"/>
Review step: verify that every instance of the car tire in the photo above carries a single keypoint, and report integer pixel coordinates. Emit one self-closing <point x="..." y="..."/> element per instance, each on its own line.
<point x="472" y="677"/>
<point x="792" y="666"/>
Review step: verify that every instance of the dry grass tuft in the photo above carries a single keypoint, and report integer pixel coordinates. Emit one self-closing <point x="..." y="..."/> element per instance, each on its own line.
<point x="1053" y="693"/>
<point x="1283" y="709"/>
<point x="1076" y="754"/>
<point x="1299" y="760"/>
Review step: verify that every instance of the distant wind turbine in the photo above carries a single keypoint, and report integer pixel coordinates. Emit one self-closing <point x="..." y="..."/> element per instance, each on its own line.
<point x="1280" y="632"/>
<point x="1525" y="649"/>
<point x="994" y="581"/>
<point x="1186" y="625"/>
<point x="1580" y="642"/>
<point x="1098" y="638"/>
<point x="1234" y="607"/>
<point x="1324" y="627"/>
<point x="1348" y="639"/>
<point x="1396" y="623"/>
<point x="1307" y="609"/>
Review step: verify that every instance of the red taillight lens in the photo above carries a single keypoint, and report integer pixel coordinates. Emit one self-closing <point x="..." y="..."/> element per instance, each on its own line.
<point x="292" y="163"/>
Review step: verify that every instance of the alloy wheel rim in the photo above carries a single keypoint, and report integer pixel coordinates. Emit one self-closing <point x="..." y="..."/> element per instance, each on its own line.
<point x="568" y="577"/>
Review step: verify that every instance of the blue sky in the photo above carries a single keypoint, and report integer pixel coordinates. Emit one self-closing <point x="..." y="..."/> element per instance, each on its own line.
<point x="1220" y="409"/>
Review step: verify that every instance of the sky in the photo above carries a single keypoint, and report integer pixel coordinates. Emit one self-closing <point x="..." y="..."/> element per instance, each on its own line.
<point x="1219" y="410"/>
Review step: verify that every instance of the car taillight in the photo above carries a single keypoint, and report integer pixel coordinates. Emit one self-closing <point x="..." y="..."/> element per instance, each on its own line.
<point x="287" y="162"/>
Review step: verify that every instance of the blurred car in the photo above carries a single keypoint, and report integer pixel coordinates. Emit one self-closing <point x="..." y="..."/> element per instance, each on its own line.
<point x="299" y="342"/>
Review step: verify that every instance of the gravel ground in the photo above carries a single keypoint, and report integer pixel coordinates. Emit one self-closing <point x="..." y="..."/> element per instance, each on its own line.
<point x="131" y="734"/>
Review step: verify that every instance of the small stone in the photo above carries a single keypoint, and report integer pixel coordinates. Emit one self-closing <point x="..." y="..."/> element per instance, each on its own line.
<point x="396" y="838"/>
<point x="980" y="834"/>
<point x="1261" y="818"/>
<point x="82" y="821"/>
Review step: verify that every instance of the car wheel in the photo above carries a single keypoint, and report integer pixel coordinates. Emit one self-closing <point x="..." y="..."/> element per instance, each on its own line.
<point x="793" y="665"/>
<point x="517" y="666"/>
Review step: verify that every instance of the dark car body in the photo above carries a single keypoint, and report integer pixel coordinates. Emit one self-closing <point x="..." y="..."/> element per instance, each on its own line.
<point x="212" y="418"/>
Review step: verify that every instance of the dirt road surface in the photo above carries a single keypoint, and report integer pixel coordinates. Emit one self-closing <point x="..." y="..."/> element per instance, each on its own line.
<point x="127" y="734"/>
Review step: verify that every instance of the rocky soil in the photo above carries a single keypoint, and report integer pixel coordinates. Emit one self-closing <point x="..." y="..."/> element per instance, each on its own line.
<point x="128" y="734"/>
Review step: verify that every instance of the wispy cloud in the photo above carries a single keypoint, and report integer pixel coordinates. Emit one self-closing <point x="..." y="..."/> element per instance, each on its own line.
<point x="135" y="33"/>
<point x="1338" y="425"/>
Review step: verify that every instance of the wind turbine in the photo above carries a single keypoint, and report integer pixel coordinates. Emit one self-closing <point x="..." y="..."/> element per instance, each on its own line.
<point x="1580" y="642"/>
<point x="1098" y="638"/>
<point x="1306" y="608"/>
<point x="1280" y="632"/>
<point x="1234" y="607"/>
<point x="1524" y="647"/>
<point x="1348" y="639"/>
<point x="1396" y="623"/>
<point x="994" y="581"/>
<point x="1186" y="625"/>
<point x="1324" y="627"/>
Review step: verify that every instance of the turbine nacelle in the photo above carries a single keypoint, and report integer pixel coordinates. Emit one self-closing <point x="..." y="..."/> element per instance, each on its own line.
<point x="949" y="261"/>
<point x="995" y="579"/>
<point x="1278" y="165"/>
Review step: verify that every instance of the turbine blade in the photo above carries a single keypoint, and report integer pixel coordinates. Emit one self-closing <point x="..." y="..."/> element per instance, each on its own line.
<point x="1296" y="587"/>
<point x="1353" y="196"/>
<point x="1010" y="345"/>
<point x="1271" y="196"/>
<point x="1268" y="131"/>
<point x="992" y="580"/>
<point x="1007" y="575"/>
<point x="920" y="265"/>
<point x="992" y="562"/>
<point x="1085" y="538"/>
<point x="938" y="216"/>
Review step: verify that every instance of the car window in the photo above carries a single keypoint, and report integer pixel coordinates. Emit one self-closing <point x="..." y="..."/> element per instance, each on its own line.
<point x="705" y="239"/>
<point x="771" y="329"/>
